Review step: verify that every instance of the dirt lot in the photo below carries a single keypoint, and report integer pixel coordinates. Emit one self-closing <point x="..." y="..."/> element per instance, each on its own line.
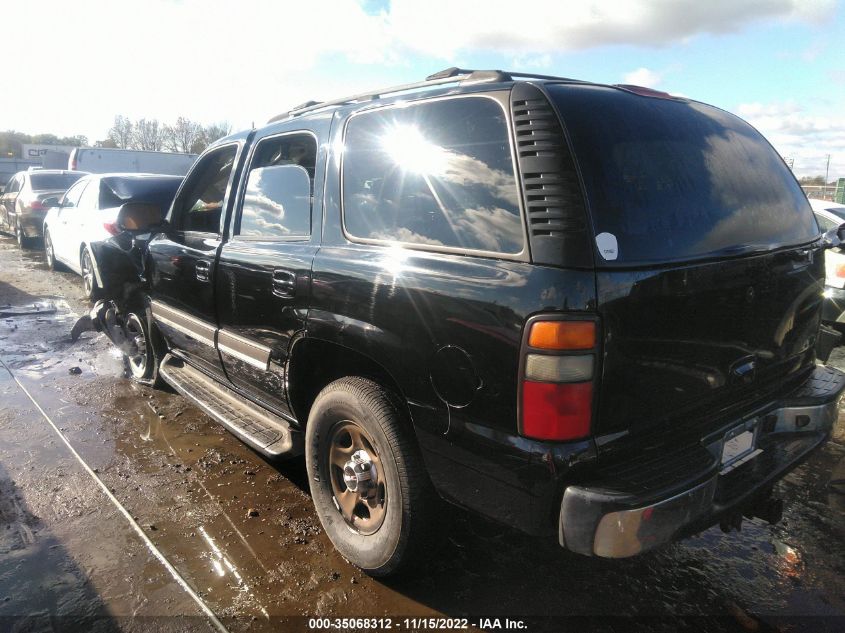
<point x="122" y="507"/>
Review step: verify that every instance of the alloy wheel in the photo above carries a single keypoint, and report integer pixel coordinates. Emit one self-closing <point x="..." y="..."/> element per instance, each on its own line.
<point x="137" y="338"/>
<point x="48" y="250"/>
<point x="87" y="273"/>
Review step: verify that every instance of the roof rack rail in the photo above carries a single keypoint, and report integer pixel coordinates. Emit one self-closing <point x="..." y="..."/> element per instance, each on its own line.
<point x="446" y="76"/>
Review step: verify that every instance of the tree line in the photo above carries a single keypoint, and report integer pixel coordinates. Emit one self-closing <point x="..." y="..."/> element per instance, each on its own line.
<point x="184" y="135"/>
<point x="11" y="142"/>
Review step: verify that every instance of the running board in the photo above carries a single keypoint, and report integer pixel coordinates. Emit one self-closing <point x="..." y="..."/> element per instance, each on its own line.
<point x="264" y="431"/>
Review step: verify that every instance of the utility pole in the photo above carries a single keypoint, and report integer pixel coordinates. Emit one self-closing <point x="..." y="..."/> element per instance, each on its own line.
<point x="826" y="175"/>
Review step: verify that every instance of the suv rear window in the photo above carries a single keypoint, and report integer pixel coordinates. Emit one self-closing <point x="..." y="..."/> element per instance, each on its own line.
<point x="437" y="174"/>
<point x="675" y="180"/>
<point x="53" y="182"/>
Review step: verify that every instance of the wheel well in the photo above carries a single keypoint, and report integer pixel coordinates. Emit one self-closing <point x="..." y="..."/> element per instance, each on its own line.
<point x="315" y="363"/>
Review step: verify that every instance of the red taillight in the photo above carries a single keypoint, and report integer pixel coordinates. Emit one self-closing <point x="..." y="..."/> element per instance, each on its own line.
<point x="840" y="271"/>
<point x="558" y="371"/>
<point x="553" y="411"/>
<point x="36" y="205"/>
<point x="111" y="227"/>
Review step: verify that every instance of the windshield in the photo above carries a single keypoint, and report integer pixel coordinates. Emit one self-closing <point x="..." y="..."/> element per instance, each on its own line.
<point x="670" y="180"/>
<point x="53" y="182"/>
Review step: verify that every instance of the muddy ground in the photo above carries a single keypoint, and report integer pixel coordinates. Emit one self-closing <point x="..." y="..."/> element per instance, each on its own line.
<point x="124" y="508"/>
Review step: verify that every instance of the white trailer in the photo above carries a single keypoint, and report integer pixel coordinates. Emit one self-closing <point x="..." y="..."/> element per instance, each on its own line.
<point x="101" y="160"/>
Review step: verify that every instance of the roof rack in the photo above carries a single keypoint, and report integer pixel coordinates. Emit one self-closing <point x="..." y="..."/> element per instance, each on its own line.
<point x="447" y="76"/>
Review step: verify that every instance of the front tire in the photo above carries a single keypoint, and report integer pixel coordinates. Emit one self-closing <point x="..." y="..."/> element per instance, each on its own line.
<point x="148" y="349"/>
<point x="369" y="486"/>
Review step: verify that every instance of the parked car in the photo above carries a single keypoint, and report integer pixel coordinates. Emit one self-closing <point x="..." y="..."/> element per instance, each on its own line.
<point x="87" y="213"/>
<point x="99" y="160"/>
<point x="827" y="206"/>
<point x="21" y="206"/>
<point x="587" y="311"/>
<point x="831" y="217"/>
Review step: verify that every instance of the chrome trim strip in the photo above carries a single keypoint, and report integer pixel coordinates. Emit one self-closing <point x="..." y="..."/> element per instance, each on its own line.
<point x="184" y="323"/>
<point x="247" y="350"/>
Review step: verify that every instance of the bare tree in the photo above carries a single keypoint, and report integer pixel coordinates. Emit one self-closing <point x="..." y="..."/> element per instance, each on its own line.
<point x="148" y="134"/>
<point x="121" y="133"/>
<point x="182" y="136"/>
<point x="211" y="133"/>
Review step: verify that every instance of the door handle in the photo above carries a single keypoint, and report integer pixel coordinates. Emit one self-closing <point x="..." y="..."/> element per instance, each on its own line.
<point x="203" y="270"/>
<point x="284" y="283"/>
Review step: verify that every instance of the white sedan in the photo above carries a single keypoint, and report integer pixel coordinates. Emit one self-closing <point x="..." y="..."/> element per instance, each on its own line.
<point x="831" y="215"/>
<point x="87" y="213"/>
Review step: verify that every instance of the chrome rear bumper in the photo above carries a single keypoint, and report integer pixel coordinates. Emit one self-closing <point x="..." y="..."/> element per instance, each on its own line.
<point x="601" y="520"/>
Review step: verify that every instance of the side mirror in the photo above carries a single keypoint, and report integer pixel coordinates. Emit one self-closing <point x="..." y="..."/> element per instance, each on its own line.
<point x="138" y="216"/>
<point x="832" y="239"/>
<point x="51" y="202"/>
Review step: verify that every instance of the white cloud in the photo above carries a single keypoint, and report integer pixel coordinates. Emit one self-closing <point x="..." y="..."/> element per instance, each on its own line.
<point x="807" y="136"/>
<point x="528" y="61"/>
<point x="536" y="26"/>
<point x="643" y="77"/>
<point x="210" y="61"/>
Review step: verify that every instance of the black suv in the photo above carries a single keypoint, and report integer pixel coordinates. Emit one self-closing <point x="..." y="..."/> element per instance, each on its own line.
<point x="583" y="310"/>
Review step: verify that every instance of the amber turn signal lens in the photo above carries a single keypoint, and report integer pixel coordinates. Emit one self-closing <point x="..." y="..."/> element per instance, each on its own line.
<point x="563" y="335"/>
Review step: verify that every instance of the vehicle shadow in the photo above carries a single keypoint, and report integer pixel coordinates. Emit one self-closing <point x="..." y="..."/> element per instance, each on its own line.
<point x="12" y="295"/>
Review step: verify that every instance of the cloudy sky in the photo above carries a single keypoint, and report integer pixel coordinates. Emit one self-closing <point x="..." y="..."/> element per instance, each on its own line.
<point x="778" y="63"/>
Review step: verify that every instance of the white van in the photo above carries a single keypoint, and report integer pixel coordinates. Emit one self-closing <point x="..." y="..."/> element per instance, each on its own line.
<point x="100" y="160"/>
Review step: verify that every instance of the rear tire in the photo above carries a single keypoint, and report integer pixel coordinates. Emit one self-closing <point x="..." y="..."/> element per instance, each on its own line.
<point x="89" y="278"/>
<point x="24" y="243"/>
<point x="143" y="366"/>
<point x="379" y="522"/>
<point x="49" y="253"/>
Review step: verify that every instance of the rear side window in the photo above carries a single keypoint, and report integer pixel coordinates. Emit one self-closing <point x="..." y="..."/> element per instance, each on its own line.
<point x="277" y="198"/>
<point x="674" y="180"/>
<point x="90" y="199"/>
<point x="72" y="195"/>
<point x="438" y="174"/>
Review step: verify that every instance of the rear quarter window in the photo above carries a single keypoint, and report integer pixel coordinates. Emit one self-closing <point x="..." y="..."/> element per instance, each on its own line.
<point x="434" y="175"/>
<point x="675" y="179"/>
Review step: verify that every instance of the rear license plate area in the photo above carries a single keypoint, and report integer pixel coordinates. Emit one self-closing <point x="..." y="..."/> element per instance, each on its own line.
<point x="739" y="446"/>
